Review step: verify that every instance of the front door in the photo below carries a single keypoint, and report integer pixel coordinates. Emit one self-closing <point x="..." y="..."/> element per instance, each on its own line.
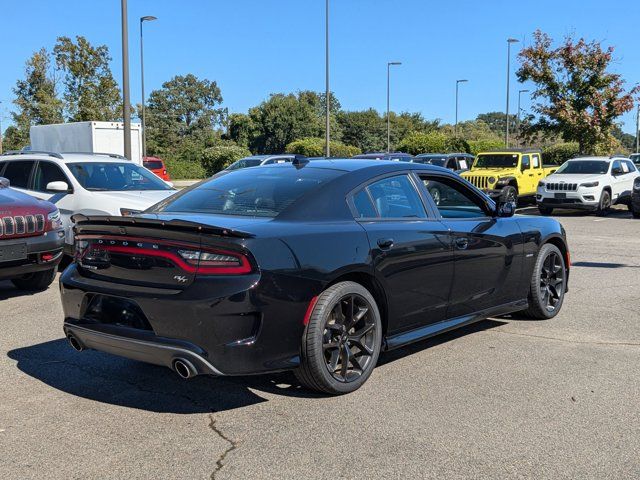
<point x="412" y="253"/>
<point x="487" y="250"/>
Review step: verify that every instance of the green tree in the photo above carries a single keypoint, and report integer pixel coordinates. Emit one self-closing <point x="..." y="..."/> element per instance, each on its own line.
<point x="315" y="147"/>
<point x="365" y="129"/>
<point x="90" y="91"/>
<point x="35" y="100"/>
<point x="221" y="156"/>
<point x="282" y="119"/>
<point x="497" y="122"/>
<point x="575" y="96"/>
<point x="183" y="110"/>
<point x="432" y="142"/>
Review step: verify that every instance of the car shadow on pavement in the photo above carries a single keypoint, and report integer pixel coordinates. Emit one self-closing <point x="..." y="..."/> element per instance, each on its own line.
<point x="617" y="213"/>
<point x="114" y="380"/>
<point x="7" y="290"/>
<point x="393" y="355"/>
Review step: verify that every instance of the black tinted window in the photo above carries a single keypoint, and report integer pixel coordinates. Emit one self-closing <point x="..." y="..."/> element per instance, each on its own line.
<point x="113" y="176"/>
<point x="255" y="192"/>
<point x="453" y="199"/>
<point x="47" y="172"/>
<point x="364" y="207"/>
<point x="153" y="165"/>
<point x="18" y="173"/>
<point x="395" y="197"/>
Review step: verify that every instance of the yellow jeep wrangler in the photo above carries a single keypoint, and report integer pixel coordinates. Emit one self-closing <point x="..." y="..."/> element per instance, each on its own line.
<point x="508" y="175"/>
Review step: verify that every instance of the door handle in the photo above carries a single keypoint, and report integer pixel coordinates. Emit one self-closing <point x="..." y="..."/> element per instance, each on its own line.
<point x="462" y="243"/>
<point x="385" y="243"/>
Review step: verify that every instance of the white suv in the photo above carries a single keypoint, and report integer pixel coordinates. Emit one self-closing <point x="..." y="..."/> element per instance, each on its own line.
<point x="92" y="184"/>
<point x="591" y="183"/>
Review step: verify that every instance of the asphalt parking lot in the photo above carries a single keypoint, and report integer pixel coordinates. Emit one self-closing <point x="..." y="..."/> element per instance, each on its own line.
<point x="503" y="398"/>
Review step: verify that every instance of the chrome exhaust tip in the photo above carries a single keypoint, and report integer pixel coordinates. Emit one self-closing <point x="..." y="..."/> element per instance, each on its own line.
<point x="184" y="368"/>
<point x="75" y="343"/>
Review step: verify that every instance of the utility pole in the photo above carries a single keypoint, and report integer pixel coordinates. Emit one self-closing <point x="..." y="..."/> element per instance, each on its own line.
<point x="148" y="18"/>
<point x="0" y="128"/>
<point x="126" y="107"/>
<point x="455" y="129"/>
<point x="389" y="64"/>
<point x="509" y="42"/>
<point x="327" y="96"/>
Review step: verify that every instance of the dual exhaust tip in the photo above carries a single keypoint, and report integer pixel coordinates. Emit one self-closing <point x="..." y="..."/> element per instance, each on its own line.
<point x="183" y="367"/>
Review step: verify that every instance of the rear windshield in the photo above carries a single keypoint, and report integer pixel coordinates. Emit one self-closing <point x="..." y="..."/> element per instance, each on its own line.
<point x="252" y="192"/>
<point x="635" y="158"/>
<point x="438" y="161"/>
<point x="153" y="164"/>
<point x="496" y="160"/>
<point x="115" y="177"/>
<point x="584" y="166"/>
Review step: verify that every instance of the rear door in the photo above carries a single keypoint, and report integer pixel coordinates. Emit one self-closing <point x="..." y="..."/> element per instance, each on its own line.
<point x="411" y="251"/>
<point x="487" y="250"/>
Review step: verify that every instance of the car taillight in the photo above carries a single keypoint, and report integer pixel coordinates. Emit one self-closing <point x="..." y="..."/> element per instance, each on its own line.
<point x="212" y="262"/>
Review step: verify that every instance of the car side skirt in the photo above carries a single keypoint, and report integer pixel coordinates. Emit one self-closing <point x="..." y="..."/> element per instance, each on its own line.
<point x="427" y="331"/>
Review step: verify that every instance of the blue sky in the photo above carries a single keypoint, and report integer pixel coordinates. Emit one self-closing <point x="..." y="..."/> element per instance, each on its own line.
<point x="253" y="48"/>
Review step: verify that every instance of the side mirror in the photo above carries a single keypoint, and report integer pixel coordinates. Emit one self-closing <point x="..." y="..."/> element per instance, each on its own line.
<point x="505" y="209"/>
<point x="4" y="182"/>
<point x="57" y="187"/>
<point x="616" y="171"/>
<point x="525" y="166"/>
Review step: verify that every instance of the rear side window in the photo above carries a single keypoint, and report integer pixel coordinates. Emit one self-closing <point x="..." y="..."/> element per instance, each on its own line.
<point x="263" y="192"/>
<point x="631" y="166"/>
<point x="153" y="165"/>
<point x="396" y="197"/>
<point x="18" y="173"/>
<point x="363" y="205"/>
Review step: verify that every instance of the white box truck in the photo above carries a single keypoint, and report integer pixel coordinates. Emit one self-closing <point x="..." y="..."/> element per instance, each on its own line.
<point x="86" y="137"/>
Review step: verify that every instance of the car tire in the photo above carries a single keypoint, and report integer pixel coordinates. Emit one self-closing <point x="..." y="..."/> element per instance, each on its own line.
<point x="35" y="282"/>
<point x="509" y="194"/>
<point x="605" y="204"/>
<point x="548" y="284"/>
<point x="340" y="349"/>
<point x="545" y="210"/>
<point x="635" y="213"/>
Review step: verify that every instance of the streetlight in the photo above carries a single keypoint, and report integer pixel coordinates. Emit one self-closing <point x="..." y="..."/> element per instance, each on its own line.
<point x="147" y="18"/>
<point x="458" y="82"/>
<point x="126" y="107"/>
<point x="389" y="64"/>
<point x="0" y="128"/>
<point x="327" y="95"/>
<point x="520" y="92"/>
<point x="509" y="42"/>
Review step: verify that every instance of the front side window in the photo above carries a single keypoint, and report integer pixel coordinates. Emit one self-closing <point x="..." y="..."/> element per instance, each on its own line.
<point x="115" y="177"/>
<point x="616" y="167"/>
<point x="526" y="162"/>
<point x="396" y="197"/>
<point x="47" y="172"/>
<point x="453" y="199"/>
<point x="18" y="173"/>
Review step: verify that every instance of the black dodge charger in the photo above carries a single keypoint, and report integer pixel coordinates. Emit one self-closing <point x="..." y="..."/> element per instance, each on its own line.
<point x="314" y="267"/>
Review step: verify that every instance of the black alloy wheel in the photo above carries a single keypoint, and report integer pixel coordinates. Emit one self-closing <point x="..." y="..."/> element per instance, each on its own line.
<point x="510" y="195"/>
<point x="548" y="284"/>
<point x="342" y="340"/>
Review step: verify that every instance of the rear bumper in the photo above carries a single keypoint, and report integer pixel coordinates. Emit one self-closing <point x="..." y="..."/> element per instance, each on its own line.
<point x="50" y="242"/>
<point x="144" y="348"/>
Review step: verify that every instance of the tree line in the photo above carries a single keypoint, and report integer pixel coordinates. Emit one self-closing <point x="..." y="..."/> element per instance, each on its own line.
<point x="576" y="102"/>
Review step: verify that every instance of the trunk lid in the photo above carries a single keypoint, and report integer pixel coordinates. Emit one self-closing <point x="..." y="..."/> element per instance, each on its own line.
<point x="157" y="252"/>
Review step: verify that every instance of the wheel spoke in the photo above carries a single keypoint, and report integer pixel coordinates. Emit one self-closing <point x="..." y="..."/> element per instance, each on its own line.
<point x="345" y="354"/>
<point x="364" y="350"/>
<point x="333" y="361"/>
<point x="362" y="332"/>
<point x="331" y="345"/>
<point x="359" y="315"/>
<point x="355" y="363"/>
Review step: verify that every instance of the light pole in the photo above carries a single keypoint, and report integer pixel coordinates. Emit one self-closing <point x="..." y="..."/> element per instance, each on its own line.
<point x="327" y="94"/>
<point x="0" y="127"/>
<point x="637" y="130"/>
<point x="126" y="107"/>
<point x="389" y="64"/>
<point x="509" y="42"/>
<point x="520" y="92"/>
<point x="458" y="82"/>
<point x="147" y="18"/>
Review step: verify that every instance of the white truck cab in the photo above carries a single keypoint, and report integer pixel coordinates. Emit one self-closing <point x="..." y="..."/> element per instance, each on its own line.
<point x="91" y="184"/>
<point x="590" y="183"/>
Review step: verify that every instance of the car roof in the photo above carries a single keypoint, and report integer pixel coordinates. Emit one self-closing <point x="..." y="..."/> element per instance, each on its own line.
<point x="65" y="157"/>
<point x="600" y="159"/>
<point x="350" y="165"/>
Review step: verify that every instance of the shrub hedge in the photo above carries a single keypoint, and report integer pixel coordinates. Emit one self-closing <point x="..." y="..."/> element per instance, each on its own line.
<point x="315" y="147"/>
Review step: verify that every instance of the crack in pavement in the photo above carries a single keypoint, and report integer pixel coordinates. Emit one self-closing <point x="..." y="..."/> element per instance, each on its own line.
<point x="232" y="446"/>
<point x="579" y="342"/>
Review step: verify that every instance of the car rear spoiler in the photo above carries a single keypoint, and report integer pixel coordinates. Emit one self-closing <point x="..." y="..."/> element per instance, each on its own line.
<point x="175" y="225"/>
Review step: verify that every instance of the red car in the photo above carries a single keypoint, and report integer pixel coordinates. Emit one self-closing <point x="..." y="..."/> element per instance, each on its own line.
<point x="31" y="239"/>
<point x="157" y="166"/>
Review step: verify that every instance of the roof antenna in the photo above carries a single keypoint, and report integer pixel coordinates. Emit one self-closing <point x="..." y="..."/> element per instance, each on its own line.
<point x="299" y="161"/>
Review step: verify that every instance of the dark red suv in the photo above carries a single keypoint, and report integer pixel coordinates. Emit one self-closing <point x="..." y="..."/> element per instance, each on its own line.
<point x="31" y="239"/>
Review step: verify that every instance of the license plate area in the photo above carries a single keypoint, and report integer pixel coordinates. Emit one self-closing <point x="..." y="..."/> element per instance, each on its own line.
<point x="13" y="252"/>
<point x="560" y="195"/>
